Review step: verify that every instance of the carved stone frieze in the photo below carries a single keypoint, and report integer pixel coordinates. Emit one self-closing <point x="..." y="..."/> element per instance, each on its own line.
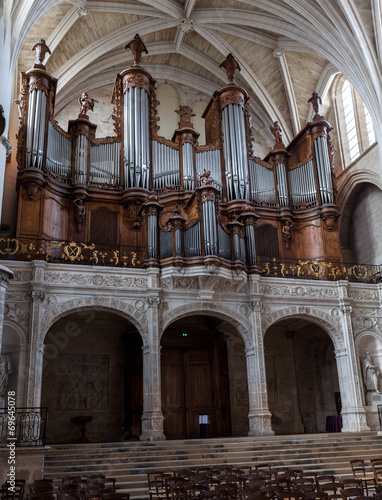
<point x="89" y="279"/>
<point x="298" y="291"/>
<point x="363" y="294"/>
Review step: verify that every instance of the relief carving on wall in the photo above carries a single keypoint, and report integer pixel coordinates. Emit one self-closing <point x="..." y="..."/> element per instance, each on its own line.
<point x="83" y="382"/>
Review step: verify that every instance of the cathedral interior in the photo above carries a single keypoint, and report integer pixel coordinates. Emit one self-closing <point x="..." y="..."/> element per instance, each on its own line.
<point x="190" y="218"/>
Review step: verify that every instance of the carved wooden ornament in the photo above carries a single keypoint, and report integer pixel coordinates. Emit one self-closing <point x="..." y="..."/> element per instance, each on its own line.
<point x="41" y="49"/>
<point x="136" y="47"/>
<point x="230" y="65"/>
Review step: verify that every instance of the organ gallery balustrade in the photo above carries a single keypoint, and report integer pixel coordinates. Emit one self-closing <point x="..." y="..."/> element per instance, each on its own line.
<point x="179" y="201"/>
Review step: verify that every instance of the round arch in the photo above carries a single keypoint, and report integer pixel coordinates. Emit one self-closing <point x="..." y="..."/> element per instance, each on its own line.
<point x="126" y="311"/>
<point x="236" y="319"/>
<point x="329" y="323"/>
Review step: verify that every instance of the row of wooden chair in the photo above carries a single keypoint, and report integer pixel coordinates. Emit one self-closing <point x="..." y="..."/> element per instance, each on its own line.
<point x="94" y="487"/>
<point x="261" y="481"/>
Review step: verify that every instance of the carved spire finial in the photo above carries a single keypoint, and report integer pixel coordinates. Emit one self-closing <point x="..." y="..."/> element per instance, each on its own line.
<point x="136" y="47"/>
<point x="230" y="65"/>
<point x="41" y="49"/>
<point x="185" y="114"/>
<point x="316" y="102"/>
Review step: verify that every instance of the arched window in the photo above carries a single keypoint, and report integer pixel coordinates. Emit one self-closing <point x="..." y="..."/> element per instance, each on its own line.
<point x="354" y="124"/>
<point x="350" y="123"/>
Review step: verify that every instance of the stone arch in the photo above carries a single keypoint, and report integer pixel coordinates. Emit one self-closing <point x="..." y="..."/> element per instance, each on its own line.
<point x="329" y="323"/>
<point x="243" y="326"/>
<point x="21" y="332"/>
<point x="119" y="307"/>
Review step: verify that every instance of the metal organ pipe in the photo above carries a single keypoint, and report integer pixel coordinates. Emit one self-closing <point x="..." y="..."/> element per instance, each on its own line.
<point x="302" y="184"/>
<point x="104" y="163"/>
<point x="263" y="183"/>
<point x="324" y="169"/>
<point x="81" y="159"/>
<point x="59" y="153"/>
<point x="235" y="152"/>
<point x="153" y="235"/>
<point x="192" y="243"/>
<point x="188" y="166"/>
<point x="36" y="128"/>
<point x="209" y="226"/>
<point x="209" y="160"/>
<point x="282" y="184"/>
<point x="136" y="138"/>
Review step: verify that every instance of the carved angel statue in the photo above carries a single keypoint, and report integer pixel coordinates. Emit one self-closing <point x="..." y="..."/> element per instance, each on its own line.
<point x="230" y="65"/>
<point x="206" y="178"/>
<point x="86" y="103"/>
<point x="277" y="132"/>
<point x="79" y="213"/>
<point x="136" y="47"/>
<point x="41" y="49"/>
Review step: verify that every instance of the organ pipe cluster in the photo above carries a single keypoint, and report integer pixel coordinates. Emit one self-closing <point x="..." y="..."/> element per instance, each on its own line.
<point x="221" y="187"/>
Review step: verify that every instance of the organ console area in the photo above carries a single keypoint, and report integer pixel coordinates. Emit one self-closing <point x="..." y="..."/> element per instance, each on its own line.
<point x="138" y="199"/>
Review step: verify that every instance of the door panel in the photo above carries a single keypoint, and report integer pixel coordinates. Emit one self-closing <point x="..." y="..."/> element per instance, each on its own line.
<point x="194" y="380"/>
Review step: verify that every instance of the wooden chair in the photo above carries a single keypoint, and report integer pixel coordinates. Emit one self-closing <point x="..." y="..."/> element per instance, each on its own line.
<point x="19" y="488"/>
<point x="157" y="484"/>
<point x="116" y="496"/>
<point x="352" y="493"/>
<point x="6" y="494"/>
<point x="359" y="472"/>
<point x="41" y="486"/>
<point x="324" y="479"/>
<point x="376" y="465"/>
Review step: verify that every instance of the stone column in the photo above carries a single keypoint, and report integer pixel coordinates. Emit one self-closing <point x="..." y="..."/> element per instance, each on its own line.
<point x="5" y="275"/>
<point x="259" y="415"/>
<point x="36" y="343"/>
<point x="353" y="411"/>
<point x="152" y="417"/>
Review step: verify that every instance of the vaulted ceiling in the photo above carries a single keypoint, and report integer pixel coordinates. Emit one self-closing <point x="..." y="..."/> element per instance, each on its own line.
<point x="286" y="48"/>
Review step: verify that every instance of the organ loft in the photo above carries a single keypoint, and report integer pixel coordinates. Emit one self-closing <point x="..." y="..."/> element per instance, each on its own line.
<point x="137" y="199"/>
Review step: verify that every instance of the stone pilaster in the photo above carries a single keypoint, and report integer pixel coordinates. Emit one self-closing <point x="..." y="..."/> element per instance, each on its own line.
<point x="36" y="343"/>
<point x="259" y="415"/>
<point x="152" y="417"/>
<point x="5" y="275"/>
<point x="353" y="411"/>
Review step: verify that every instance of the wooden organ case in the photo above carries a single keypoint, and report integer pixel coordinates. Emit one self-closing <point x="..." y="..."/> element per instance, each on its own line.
<point x="137" y="199"/>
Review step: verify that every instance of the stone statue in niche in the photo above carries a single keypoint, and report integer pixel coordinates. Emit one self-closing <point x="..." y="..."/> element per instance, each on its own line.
<point x="86" y="103"/>
<point x="5" y="371"/>
<point x="370" y="374"/>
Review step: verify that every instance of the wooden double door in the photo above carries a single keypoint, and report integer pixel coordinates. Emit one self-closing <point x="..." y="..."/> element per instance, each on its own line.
<point x="194" y="372"/>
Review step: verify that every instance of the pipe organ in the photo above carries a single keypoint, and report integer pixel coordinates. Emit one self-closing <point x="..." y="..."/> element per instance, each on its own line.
<point x="173" y="201"/>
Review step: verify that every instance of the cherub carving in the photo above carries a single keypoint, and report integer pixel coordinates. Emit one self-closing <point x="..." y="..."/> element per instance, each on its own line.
<point x="86" y="103"/>
<point x="206" y="178"/>
<point x="287" y="233"/>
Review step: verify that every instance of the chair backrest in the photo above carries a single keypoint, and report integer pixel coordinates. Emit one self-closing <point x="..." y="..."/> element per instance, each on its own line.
<point x="41" y="486"/>
<point x="358" y="468"/>
<point x="351" y="493"/>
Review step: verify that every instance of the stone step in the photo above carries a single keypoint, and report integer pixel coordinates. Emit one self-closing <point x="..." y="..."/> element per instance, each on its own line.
<point x="129" y="462"/>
